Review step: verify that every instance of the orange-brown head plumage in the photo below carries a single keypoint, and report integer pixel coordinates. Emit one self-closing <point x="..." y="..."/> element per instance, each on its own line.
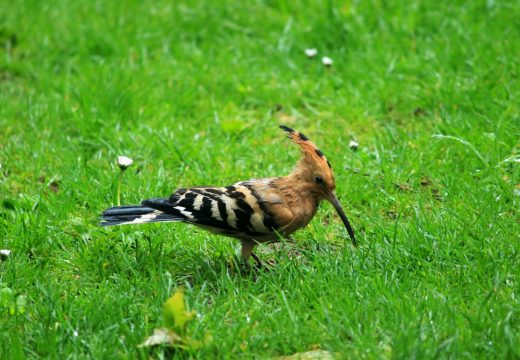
<point x="313" y="174"/>
<point x="313" y="168"/>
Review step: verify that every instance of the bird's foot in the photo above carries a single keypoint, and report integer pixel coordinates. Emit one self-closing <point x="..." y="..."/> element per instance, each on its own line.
<point x="261" y="265"/>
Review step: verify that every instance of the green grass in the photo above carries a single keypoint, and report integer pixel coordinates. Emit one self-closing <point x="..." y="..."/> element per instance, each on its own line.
<point x="194" y="94"/>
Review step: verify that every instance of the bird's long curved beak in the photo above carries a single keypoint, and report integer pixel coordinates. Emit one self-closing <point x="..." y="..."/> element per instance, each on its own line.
<point x="335" y="202"/>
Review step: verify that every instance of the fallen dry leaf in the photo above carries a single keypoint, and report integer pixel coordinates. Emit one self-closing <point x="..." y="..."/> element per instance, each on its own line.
<point x="311" y="355"/>
<point x="425" y="181"/>
<point x="162" y="336"/>
<point x="403" y="187"/>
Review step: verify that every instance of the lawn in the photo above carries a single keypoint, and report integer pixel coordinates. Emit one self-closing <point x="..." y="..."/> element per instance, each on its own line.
<point x="194" y="93"/>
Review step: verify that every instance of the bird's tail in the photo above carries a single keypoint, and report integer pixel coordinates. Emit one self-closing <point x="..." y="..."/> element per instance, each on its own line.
<point x="134" y="214"/>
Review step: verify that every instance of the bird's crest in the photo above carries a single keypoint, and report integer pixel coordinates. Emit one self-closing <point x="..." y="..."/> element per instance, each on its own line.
<point x="311" y="154"/>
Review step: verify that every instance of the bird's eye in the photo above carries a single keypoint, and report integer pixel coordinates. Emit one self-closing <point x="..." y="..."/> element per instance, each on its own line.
<point x="318" y="179"/>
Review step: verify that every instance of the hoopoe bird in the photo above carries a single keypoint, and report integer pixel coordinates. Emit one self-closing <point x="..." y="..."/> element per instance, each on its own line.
<point x="253" y="211"/>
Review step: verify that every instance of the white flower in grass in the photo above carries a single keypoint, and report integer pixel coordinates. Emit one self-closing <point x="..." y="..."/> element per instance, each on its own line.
<point x="4" y="253"/>
<point x="75" y="333"/>
<point x="353" y="144"/>
<point x="311" y="52"/>
<point x="327" y="61"/>
<point x="124" y="162"/>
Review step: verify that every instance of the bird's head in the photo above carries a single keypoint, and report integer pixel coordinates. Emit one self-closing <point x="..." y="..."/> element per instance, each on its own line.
<point x="315" y="174"/>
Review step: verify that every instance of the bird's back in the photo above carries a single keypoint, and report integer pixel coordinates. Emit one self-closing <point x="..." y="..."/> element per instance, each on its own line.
<point x="255" y="209"/>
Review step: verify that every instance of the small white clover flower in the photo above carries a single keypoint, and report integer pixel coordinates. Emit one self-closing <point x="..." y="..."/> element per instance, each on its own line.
<point x="4" y="254"/>
<point x="124" y="162"/>
<point x="75" y="333"/>
<point x="311" y="52"/>
<point x="327" y="61"/>
<point x="353" y="144"/>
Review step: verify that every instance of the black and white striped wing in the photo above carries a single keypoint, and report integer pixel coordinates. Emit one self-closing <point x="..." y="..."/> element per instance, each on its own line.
<point x="238" y="210"/>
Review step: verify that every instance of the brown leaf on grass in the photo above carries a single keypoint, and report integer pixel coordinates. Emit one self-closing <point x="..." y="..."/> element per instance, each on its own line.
<point x="392" y="214"/>
<point x="277" y="108"/>
<point x="425" y="181"/>
<point x="436" y="194"/>
<point x="403" y="187"/>
<point x="419" y="112"/>
<point x="54" y="186"/>
<point x="428" y="183"/>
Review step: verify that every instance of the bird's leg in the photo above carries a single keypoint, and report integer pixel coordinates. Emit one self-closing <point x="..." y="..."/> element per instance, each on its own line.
<point x="247" y="250"/>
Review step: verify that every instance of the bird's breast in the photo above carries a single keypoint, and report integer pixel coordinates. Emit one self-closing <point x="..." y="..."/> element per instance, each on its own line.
<point x="303" y="210"/>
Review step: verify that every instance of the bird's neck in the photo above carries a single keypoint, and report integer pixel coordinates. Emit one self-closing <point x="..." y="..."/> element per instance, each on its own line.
<point x="298" y="188"/>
